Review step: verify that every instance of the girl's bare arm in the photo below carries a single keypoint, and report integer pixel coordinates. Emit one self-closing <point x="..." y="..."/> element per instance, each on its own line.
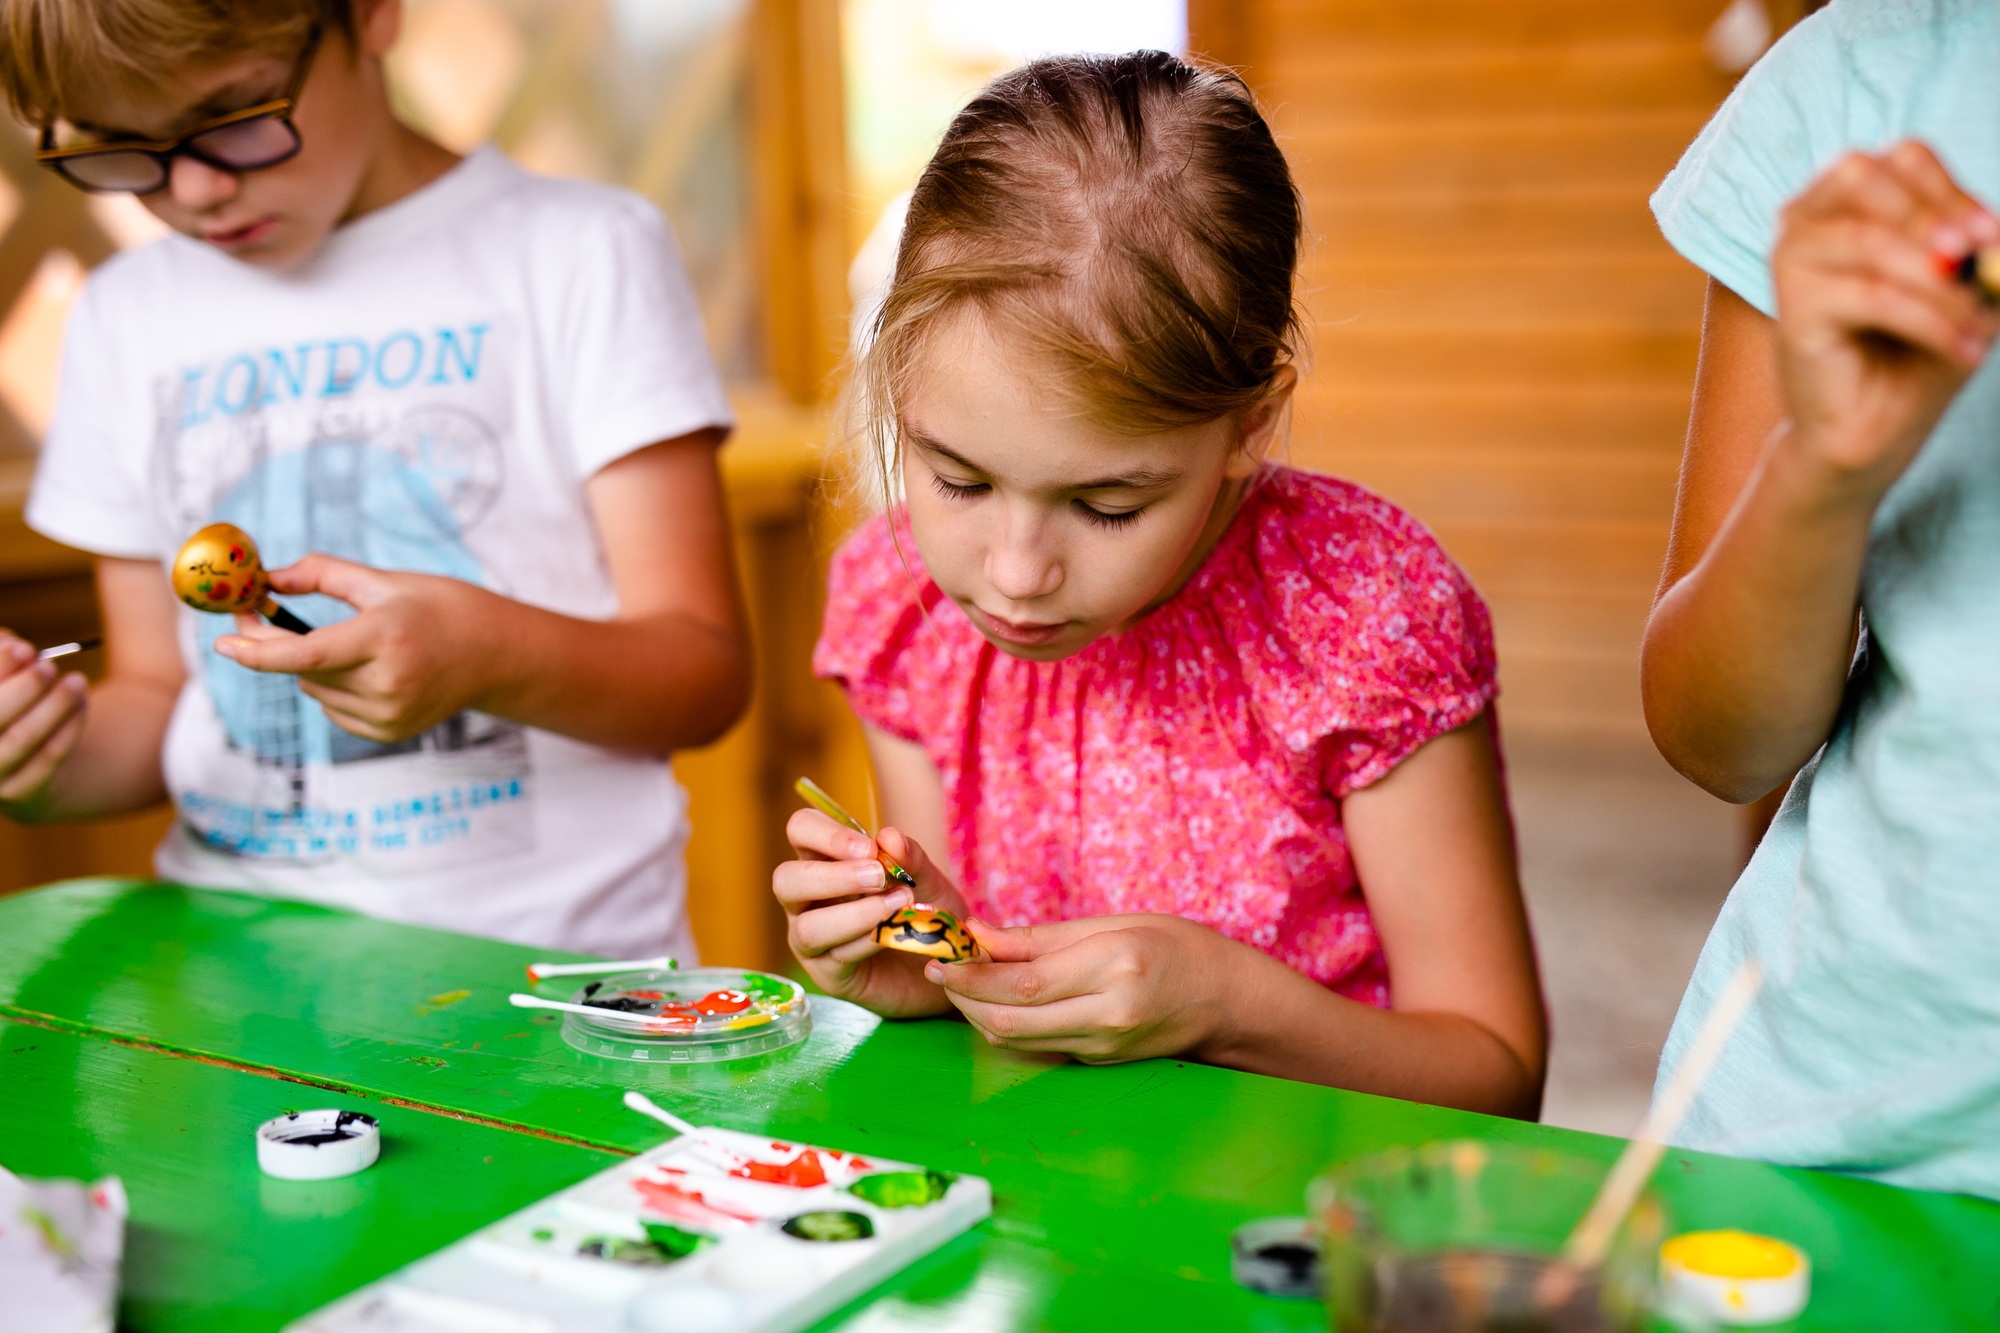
<point x="1800" y="426"/>
<point x="1434" y="851"/>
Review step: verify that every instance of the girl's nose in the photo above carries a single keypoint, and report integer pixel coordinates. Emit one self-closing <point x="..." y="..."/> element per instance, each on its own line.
<point x="195" y="185"/>
<point x="1021" y="569"/>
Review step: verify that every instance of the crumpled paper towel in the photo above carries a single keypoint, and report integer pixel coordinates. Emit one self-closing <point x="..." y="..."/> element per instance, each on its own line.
<point x="60" y="1246"/>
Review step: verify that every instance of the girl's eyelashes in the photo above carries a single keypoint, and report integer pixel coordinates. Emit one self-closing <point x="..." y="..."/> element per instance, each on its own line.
<point x="950" y="491"/>
<point x="1104" y="519"/>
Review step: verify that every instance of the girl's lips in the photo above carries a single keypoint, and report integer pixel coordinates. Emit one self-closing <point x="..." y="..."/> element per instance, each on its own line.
<point x="1023" y="635"/>
<point x="235" y="238"/>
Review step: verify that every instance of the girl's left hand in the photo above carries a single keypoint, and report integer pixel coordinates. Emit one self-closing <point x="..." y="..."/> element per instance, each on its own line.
<point x="1102" y="989"/>
<point x="417" y="653"/>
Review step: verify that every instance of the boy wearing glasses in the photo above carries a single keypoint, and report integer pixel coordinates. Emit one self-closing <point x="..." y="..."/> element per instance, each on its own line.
<point x="474" y="407"/>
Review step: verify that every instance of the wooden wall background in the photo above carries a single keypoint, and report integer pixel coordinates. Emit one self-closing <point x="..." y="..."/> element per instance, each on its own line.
<point x="1502" y="342"/>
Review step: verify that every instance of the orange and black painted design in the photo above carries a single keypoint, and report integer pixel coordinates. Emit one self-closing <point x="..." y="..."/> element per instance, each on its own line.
<point x="930" y="931"/>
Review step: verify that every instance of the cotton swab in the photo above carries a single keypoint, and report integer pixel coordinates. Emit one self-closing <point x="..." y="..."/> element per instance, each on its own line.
<point x="1591" y="1241"/>
<point x="645" y="1021"/>
<point x="540" y="971"/>
<point x="645" y="1105"/>
<point x="695" y="1134"/>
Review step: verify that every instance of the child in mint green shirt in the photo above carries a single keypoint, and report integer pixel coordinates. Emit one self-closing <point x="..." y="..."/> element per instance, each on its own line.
<point x="1845" y="457"/>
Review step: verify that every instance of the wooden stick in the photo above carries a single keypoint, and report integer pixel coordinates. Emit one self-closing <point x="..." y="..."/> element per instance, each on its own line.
<point x="1591" y="1240"/>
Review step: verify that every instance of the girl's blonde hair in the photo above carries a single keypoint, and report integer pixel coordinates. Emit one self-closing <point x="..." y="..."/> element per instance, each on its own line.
<point x="56" y="55"/>
<point x="1127" y="220"/>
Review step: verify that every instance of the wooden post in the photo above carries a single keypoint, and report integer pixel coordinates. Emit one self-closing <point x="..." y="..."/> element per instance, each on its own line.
<point x="799" y="159"/>
<point x="1226" y="32"/>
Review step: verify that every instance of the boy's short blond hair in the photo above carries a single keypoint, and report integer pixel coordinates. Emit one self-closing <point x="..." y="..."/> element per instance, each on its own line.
<point x="55" y="54"/>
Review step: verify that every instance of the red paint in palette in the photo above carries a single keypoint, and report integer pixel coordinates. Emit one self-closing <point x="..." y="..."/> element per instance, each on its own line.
<point x="719" y="1003"/>
<point x="663" y="1198"/>
<point x="805" y="1170"/>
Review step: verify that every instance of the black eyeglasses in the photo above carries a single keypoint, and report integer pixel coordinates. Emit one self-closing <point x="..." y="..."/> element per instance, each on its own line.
<point x="247" y="140"/>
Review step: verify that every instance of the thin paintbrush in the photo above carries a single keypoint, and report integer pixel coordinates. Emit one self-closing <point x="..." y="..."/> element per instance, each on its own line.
<point x="1591" y="1241"/>
<point x="65" y="649"/>
<point x="833" y="810"/>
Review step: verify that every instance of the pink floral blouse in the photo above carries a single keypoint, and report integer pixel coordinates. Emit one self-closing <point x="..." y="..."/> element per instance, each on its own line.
<point x="1194" y="763"/>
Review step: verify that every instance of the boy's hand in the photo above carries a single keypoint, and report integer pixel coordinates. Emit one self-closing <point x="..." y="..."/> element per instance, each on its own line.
<point x="1102" y="989"/>
<point x="41" y="717"/>
<point x="834" y="896"/>
<point x="421" y="650"/>
<point x="1875" y="334"/>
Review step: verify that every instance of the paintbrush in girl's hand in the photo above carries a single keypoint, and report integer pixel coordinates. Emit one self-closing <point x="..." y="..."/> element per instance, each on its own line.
<point x="833" y="810"/>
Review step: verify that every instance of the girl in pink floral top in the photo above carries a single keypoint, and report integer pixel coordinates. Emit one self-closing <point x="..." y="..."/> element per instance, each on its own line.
<point x="1200" y="743"/>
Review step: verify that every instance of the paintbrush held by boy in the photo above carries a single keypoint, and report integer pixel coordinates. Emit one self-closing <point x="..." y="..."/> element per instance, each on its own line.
<point x="1201" y="744"/>
<point x="468" y="415"/>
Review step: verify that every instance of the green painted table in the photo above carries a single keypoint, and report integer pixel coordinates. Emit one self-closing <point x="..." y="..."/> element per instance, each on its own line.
<point x="152" y="1026"/>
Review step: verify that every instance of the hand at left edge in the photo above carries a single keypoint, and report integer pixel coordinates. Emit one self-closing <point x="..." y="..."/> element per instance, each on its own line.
<point x="1101" y="989"/>
<point x="419" y="650"/>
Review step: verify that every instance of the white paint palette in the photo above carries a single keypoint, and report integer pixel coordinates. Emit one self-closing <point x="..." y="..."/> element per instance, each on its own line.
<point x="727" y="1233"/>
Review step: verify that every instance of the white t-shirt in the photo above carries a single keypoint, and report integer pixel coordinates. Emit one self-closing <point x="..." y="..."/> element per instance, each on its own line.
<point x="429" y="392"/>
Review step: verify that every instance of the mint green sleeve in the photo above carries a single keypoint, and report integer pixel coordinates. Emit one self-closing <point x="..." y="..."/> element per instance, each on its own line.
<point x="1785" y="122"/>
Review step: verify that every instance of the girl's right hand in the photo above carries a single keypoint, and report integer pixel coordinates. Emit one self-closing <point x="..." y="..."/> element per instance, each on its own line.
<point x="835" y="895"/>
<point x="41" y="717"/>
<point x="1875" y="333"/>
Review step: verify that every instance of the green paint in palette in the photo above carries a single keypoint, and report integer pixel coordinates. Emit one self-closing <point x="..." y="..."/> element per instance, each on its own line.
<point x="902" y="1189"/>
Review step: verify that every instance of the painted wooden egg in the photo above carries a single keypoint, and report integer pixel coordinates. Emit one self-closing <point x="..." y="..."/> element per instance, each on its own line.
<point x="930" y="931"/>
<point x="218" y="569"/>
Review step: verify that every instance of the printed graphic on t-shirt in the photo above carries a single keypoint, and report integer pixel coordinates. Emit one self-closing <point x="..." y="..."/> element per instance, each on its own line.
<point x="384" y="451"/>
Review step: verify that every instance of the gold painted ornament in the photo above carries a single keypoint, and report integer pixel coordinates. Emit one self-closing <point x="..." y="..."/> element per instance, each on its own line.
<point x="219" y="570"/>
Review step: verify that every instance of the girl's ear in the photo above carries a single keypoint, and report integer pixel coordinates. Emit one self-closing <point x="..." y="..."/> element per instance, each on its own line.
<point x="1261" y="426"/>
<point x="377" y="23"/>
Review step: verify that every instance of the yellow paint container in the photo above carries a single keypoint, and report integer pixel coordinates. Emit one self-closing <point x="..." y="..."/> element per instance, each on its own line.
<point x="1737" y="1277"/>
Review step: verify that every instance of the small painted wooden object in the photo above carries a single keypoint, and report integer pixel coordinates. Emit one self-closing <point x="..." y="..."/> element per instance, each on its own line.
<point x="1980" y="271"/>
<point x="930" y="931"/>
<point x="218" y="570"/>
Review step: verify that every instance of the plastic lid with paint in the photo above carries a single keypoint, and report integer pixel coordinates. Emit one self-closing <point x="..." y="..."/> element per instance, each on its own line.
<point x="1737" y="1277"/>
<point x="318" y="1145"/>
<point x="1279" y="1256"/>
<point x="698" y="1015"/>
